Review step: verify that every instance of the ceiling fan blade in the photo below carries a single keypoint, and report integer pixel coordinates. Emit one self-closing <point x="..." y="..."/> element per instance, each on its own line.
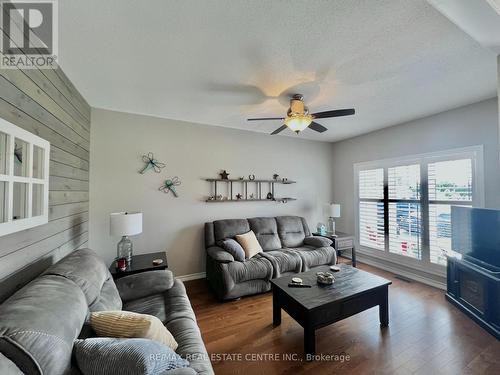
<point x="317" y="127"/>
<point x="265" y="118"/>
<point x="280" y="129"/>
<point x="334" y="113"/>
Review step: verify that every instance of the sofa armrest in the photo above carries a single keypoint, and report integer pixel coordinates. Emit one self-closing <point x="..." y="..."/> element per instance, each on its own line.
<point x="219" y="254"/>
<point x="144" y="284"/>
<point x="316" y="241"/>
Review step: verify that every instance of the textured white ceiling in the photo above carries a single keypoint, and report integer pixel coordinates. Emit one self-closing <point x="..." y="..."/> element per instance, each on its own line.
<point x="218" y="62"/>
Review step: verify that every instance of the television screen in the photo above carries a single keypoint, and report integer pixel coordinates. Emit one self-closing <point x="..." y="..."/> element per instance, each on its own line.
<point x="475" y="233"/>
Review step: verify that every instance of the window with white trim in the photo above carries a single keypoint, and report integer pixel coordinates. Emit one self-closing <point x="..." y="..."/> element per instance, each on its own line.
<point x="403" y="205"/>
<point x="24" y="179"/>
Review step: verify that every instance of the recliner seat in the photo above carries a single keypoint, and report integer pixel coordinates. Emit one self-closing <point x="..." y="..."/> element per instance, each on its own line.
<point x="288" y="248"/>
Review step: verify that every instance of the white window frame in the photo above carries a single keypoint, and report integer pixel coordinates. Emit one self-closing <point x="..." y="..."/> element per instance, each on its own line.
<point x="12" y="131"/>
<point x="475" y="153"/>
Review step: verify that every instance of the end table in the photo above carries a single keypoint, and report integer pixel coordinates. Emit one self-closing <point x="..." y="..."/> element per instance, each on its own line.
<point x="140" y="263"/>
<point x="341" y="242"/>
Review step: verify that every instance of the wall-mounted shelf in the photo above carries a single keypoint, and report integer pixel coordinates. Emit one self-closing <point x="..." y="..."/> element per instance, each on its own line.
<point x="246" y="180"/>
<point x="260" y="196"/>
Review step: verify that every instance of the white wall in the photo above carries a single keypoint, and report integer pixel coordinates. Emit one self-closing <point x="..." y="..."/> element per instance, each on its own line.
<point x="193" y="152"/>
<point x="475" y="124"/>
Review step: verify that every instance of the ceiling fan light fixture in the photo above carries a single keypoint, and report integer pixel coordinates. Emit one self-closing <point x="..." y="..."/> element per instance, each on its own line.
<point x="298" y="122"/>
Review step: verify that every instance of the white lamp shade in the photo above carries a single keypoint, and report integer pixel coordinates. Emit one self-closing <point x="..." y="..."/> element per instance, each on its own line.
<point x="335" y="210"/>
<point x="125" y="223"/>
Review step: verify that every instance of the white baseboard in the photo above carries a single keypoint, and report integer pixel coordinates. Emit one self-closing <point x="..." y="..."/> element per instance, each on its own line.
<point x="397" y="271"/>
<point x="192" y="276"/>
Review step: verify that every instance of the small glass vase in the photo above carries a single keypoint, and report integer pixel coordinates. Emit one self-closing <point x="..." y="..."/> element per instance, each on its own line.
<point x="124" y="249"/>
<point x="331" y="226"/>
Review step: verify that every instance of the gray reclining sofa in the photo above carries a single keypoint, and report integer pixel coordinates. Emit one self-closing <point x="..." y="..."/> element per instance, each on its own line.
<point x="39" y="323"/>
<point x="288" y="248"/>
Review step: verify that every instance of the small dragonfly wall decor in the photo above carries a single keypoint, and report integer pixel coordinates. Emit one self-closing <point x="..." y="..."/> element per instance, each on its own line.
<point x="169" y="185"/>
<point x="151" y="163"/>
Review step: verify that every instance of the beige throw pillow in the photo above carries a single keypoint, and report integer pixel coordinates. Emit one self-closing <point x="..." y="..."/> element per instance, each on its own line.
<point x="249" y="243"/>
<point x="127" y="324"/>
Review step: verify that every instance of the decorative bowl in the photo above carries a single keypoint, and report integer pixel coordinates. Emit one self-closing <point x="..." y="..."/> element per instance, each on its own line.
<point x="325" y="278"/>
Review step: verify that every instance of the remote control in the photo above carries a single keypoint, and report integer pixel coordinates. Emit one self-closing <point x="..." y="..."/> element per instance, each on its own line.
<point x="292" y="285"/>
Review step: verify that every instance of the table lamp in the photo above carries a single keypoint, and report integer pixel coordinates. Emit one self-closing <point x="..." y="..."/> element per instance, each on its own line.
<point x="125" y="224"/>
<point x="334" y="212"/>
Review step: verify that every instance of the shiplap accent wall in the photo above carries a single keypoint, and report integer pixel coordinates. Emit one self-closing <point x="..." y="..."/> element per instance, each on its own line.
<point x="46" y="103"/>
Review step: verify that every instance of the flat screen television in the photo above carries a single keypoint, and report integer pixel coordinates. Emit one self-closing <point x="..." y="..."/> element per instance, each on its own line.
<point x="475" y="233"/>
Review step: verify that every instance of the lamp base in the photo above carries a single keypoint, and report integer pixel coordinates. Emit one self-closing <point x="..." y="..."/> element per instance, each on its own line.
<point x="124" y="249"/>
<point x="331" y="226"/>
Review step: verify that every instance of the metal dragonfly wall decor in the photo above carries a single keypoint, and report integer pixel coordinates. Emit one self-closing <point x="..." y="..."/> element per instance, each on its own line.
<point x="151" y="163"/>
<point x="170" y="185"/>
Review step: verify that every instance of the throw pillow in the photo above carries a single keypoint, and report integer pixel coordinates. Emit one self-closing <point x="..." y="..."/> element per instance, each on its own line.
<point x="128" y="324"/>
<point x="104" y="356"/>
<point x="233" y="248"/>
<point x="249" y="243"/>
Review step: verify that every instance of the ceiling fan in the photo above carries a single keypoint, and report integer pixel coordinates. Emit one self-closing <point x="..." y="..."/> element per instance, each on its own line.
<point x="298" y="117"/>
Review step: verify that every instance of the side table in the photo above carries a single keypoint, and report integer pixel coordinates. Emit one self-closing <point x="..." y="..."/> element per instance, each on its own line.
<point x="140" y="263"/>
<point x="342" y="241"/>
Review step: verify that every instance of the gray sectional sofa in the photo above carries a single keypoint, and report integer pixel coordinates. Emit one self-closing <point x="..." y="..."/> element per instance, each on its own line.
<point x="40" y="322"/>
<point x="288" y="248"/>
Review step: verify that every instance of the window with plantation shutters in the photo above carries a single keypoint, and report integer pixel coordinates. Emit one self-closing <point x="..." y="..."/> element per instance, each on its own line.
<point x="450" y="183"/>
<point x="405" y="225"/>
<point x="371" y="208"/>
<point x="403" y="206"/>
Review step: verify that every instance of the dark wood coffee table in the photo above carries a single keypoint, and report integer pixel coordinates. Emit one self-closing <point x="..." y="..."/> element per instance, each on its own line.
<point x="353" y="291"/>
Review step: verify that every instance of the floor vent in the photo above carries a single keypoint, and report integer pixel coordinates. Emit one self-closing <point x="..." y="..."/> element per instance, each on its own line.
<point x="402" y="278"/>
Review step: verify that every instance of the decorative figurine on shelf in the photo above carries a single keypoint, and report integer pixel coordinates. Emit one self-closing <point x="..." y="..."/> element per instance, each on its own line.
<point x="269" y="195"/>
<point x="251" y="196"/>
<point x="151" y="163"/>
<point x="239" y="196"/>
<point x="218" y="197"/>
<point x="241" y="178"/>
<point x="284" y="180"/>
<point x="211" y="198"/>
<point x="321" y="229"/>
<point x="224" y="175"/>
<point x="169" y="185"/>
<point x="276" y="176"/>
<point x="251" y="177"/>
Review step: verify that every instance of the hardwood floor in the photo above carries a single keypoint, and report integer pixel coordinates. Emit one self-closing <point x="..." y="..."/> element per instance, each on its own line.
<point x="426" y="335"/>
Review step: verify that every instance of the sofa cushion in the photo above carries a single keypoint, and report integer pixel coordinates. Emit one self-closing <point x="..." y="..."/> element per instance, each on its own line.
<point x="87" y="270"/>
<point x="105" y="355"/>
<point x="41" y="321"/>
<point x="152" y="305"/>
<point x="172" y="304"/>
<point x="283" y="261"/>
<point x="128" y="324"/>
<point x="313" y="257"/>
<point x="249" y="243"/>
<point x="234" y="248"/>
<point x="191" y="346"/>
<point x="266" y="231"/>
<point x="292" y="230"/>
<point x="109" y="299"/>
<point x="254" y="268"/>
<point x="230" y="228"/>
